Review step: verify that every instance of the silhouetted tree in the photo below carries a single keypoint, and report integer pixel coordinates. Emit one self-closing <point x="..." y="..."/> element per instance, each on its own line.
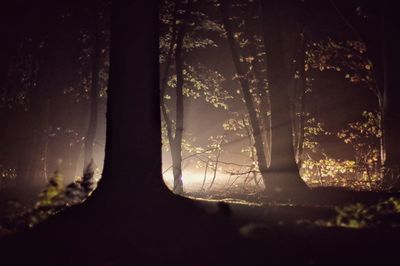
<point x="282" y="174"/>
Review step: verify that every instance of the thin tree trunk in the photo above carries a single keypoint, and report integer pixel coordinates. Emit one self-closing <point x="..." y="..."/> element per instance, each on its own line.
<point x="391" y="114"/>
<point x="176" y="145"/>
<point x="300" y="141"/>
<point x="382" y="141"/>
<point x="205" y="175"/>
<point x="216" y="166"/>
<point x="94" y="95"/>
<point x="175" y="136"/>
<point x="164" y="78"/>
<point x="45" y="141"/>
<point x="302" y="101"/>
<point x="245" y="86"/>
<point x="262" y="90"/>
<point x="252" y="155"/>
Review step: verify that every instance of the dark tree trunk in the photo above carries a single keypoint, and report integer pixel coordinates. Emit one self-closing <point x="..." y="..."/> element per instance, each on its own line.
<point x="133" y="156"/>
<point x="391" y="92"/>
<point x="283" y="174"/>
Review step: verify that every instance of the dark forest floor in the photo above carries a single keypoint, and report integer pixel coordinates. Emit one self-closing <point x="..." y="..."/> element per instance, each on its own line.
<point x="326" y="206"/>
<point x="331" y="227"/>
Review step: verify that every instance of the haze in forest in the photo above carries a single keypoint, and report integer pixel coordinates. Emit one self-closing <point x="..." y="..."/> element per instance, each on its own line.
<point x="334" y="90"/>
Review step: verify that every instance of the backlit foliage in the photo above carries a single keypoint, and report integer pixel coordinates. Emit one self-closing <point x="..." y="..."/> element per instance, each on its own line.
<point x="318" y="168"/>
<point x="202" y="82"/>
<point x="53" y="190"/>
<point x="362" y="172"/>
<point x="313" y="129"/>
<point x="342" y="56"/>
<point x="55" y="197"/>
<point x="364" y="137"/>
<point x="358" y="216"/>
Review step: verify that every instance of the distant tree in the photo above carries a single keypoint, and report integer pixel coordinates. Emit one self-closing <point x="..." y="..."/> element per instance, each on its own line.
<point x="96" y="32"/>
<point x="246" y="91"/>
<point x="183" y="25"/>
<point x="372" y="24"/>
<point x="279" y="36"/>
<point x="282" y="173"/>
<point x="175" y="134"/>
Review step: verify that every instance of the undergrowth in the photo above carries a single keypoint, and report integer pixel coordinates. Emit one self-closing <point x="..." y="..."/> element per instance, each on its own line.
<point x="53" y="199"/>
<point x="385" y="213"/>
